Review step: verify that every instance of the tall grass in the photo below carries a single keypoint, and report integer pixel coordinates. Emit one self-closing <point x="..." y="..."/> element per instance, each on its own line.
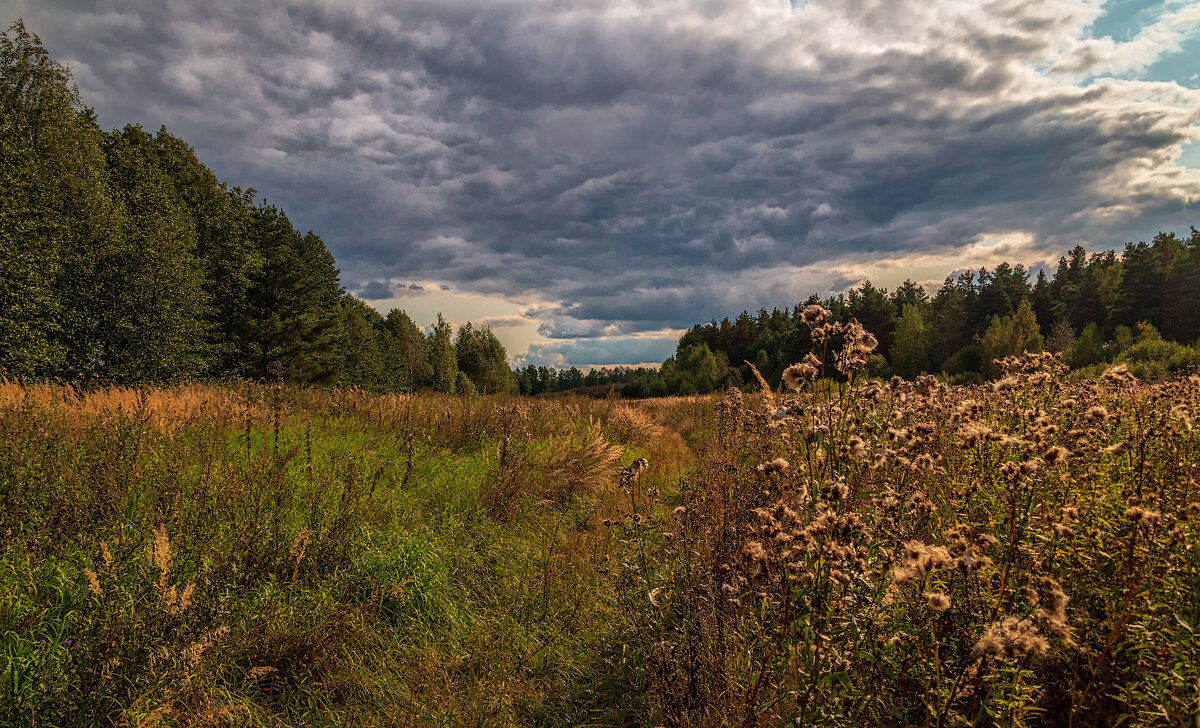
<point x="264" y="555"/>
<point x="848" y="553"/>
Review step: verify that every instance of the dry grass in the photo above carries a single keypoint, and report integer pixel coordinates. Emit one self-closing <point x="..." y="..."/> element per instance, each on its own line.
<point x="863" y="553"/>
<point x="848" y="553"/>
<point x="280" y="556"/>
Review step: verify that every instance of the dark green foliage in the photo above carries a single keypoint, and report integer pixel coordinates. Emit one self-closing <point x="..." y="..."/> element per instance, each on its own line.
<point x="412" y="367"/>
<point x="363" y="359"/>
<point x="442" y="357"/>
<point x="909" y="352"/>
<point x="874" y="310"/>
<point x="1086" y="350"/>
<point x="293" y="303"/>
<point x="61" y="219"/>
<point x="159" y="330"/>
<point x="221" y="220"/>
<point x="1153" y="357"/>
<point x="481" y="358"/>
<point x="977" y="317"/>
<point x="125" y="260"/>
<point x="28" y="259"/>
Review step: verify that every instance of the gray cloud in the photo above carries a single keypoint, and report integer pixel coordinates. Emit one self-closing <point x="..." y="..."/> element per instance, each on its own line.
<point x="640" y="165"/>
<point x="375" y="291"/>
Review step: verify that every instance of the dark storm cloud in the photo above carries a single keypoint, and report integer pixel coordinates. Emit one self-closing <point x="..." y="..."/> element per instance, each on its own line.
<point x="641" y="166"/>
<point x="375" y="291"/>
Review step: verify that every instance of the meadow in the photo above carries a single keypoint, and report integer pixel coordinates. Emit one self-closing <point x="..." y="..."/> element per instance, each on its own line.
<point x="851" y="552"/>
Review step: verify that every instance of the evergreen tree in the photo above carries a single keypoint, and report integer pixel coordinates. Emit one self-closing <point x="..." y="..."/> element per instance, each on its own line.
<point x="875" y="311"/>
<point x="910" y="294"/>
<point x="292" y="314"/>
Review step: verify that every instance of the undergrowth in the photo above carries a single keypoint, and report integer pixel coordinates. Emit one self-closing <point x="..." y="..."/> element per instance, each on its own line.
<point x="862" y="553"/>
<point x="264" y="555"/>
<point x="848" y="553"/>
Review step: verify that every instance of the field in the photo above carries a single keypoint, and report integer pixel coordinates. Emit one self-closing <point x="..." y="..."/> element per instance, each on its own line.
<point x="848" y="554"/>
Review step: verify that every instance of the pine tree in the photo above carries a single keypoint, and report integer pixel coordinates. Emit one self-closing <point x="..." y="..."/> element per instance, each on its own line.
<point x="292" y="313"/>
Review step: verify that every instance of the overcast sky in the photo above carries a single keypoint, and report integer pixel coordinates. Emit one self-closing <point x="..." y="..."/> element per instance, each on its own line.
<point x="592" y="176"/>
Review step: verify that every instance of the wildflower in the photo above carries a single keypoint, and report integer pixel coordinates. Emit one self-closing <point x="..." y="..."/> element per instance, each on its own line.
<point x="1137" y="514"/>
<point x="835" y="492"/>
<point x="1005" y="384"/>
<point x="1118" y="374"/>
<point x="937" y="601"/>
<point x="778" y="465"/>
<point x="1056" y="455"/>
<point x="1140" y="515"/>
<point x="1053" y="613"/>
<point x="814" y="314"/>
<point x="969" y="561"/>
<point x="1012" y="638"/>
<point x="797" y="374"/>
<point x="755" y="557"/>
<point x="974" y="434"/>
<point x="1118" y="449"/>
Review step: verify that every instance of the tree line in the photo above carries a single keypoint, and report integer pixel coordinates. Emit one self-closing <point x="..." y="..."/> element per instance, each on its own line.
<point x="1140" y="307"/>
<point x="126" y="261"/>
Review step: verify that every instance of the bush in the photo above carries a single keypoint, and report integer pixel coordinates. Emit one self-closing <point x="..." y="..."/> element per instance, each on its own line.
<point x="1156" y="359"/>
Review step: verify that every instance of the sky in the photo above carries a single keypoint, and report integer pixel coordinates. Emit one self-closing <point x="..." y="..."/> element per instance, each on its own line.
<point x="591" y="177"/>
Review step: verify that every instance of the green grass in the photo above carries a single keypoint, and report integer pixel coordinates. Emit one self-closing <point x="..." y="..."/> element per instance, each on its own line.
<point x="339" y="560"/>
